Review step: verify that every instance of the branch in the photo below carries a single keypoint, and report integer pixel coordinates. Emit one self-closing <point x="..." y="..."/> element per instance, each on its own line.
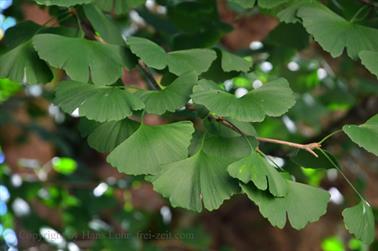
<point x="151" y="82"/>
<point x="307" y="147"/>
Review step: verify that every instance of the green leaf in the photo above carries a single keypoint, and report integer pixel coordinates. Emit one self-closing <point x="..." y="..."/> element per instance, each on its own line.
<point x="199" y="179"/>
<point x="267" y="4"/>
<point x="151" y="54"/>
<point x="118" y="7"/>
<point x="198" y="60"/>
<point x="302" y="204"/>
<point x="359" y="220"/>
<point x="81" y="58"/>
<point x="272" y="99"/>
<point x="151" y="146"/>
<point x="63" y="3"/>
<point x="231" y="62"/>
<point x="64" y="165"/>
<point x="100" y="103"/>
<point x="175" y="96"/>
<point x="23" y="65"/>
<point x="257" y="169"/>
<point x="109" y="135"/>
<point x="103" y="25"/>
<point x="370" y="60"/>
<point x="334" y="33"/>
<point x="307" y="160"/>
<point x="365" y="135"/>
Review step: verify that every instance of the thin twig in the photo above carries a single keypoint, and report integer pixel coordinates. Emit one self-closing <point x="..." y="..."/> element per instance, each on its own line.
<point x="152" y="84"/>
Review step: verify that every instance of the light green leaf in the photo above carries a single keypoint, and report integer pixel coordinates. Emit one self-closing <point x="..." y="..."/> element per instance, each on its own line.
<point x="334" y="33"/>
<point x="103" y="25"/>
<point x="231" y="62"/>
<point x="64" y="165"/>
<point x="199" y="179"/>
<point x="151" y="146"/>
<point x="272" y="99"/>
<point x="198" y="60"/>
<point x="246" y="4"/>
<point x="62" y="3"/>
<point x="175" y="96"/>
<point x="289" y="13"/>
<point x="151" y="54"/>
<point x="97" y="103"/>
<point x="365" y="135"/>
<point x="23" y="65"/>
<point x="359" y="220"/>
<point x="302" y="204"/>
<point x="370" y="60"/>
<point x="257" y="169"/>
<point x="109" y="135"/>
<point x="81" y="58"/>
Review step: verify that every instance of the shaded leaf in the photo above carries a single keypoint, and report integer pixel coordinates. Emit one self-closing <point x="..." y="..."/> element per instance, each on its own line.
<point x="302" y="204"/>
<point x="63" y="3"/>
<point x="80" y="58"/>
<point x="272" y="99"/>
<point x="97" y="103"/>
<point x="307" y="160"/>
<point x="370" y="60"/>
<point x="118" y="7"/>
<point x="257" y="169"/>
<point x="175" y="96"/>
<point x="231" y="62"/>
<point x="359" y="220"/>
<point x="151" y="146"/>
<point x="198" y="60"/>
<point x="365" y="135"/>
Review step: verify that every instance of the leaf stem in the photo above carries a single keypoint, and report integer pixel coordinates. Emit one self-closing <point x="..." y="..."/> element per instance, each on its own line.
<point x="343" y="174"/>
<point x="151" y="82"/>
<point x="358" y="12"/>
<point x="329" y="136"/>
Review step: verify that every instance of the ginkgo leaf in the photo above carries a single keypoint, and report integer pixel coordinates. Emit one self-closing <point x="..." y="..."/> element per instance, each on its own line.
<point x="302" y="204"/>
<point x="23" y="65"/>
<point x="175" y="96"/>
<point x="118" y="7"/>
<point x="198" y="60"/>
<point x="196" y="182"/>
<point x="151" y="53"/>
<point x="272" y="99"/>
<point x="268" y="4"/>
<point x="359" y="220"/>
<point x="370" y="60"/>
<point x="257" y="169"/>
<point x="100" y="103"/>
<point x="231" y="62"/>
<point x="334" y="33"/>
<point x="107" y="136"/>
<point x="81" y="58"/>
<point x="164" y="144"/>
<point x="62" y="3"/>
<point x="365" y="135"/>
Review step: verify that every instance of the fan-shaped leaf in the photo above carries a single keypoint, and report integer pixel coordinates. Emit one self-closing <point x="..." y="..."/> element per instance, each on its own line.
<point x="151" y="146"/>
<point x="272" y="99"/>
<point x="81" y="58"/>
<point x="22" y="64"/>
<point x="199" y="179"/>
<point x="334" y="33"/>
<point x="97" y="103"/>
<point x="63" y="3"/>
<point x="370" y="60"/>
<point x="302" y="204"/>
<point x="365" y="135"/>
<point x="257" y="169"/>
<point x="359" y="220"/>
<point x="118" y="7"/>
<point x="231" y="62"/>
<point x="171" y="98"/>
<point x="198" y="60"/>
<point x="107" y="136"/>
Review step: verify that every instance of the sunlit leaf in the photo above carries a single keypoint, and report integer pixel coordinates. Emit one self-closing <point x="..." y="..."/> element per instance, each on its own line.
<point x="231" y="62"/>
<point x="62" y="3"/>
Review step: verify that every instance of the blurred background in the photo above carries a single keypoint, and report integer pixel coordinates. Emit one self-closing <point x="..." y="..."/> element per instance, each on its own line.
<point x="56" y="193"/>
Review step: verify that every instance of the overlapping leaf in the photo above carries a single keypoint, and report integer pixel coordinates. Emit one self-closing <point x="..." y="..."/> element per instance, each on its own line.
<point x="175" y="96"/>
<point x="359" y="220"/>
<point x="23" y="65"/>
<point x="334" y="33"/>
<point x="302" y="204"/>
<point x="63" y="3"/>
<point x="231" y="62"/>
<point x="100" y="103"/>
<point x="257" y="169"/>
<point x="107" y="136"/>
<point x="196" y="182"/>
<point x="178" y="62"/>
<point x="272" y="99"/>
<point x="365" y="135"/>
<point x="80" y="58"/>
<point x="151" y="146"/>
